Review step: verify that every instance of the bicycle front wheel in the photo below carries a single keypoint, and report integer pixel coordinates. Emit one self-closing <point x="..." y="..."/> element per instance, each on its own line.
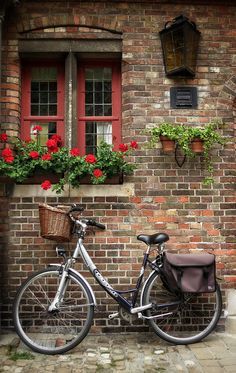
<point x="181" y="320"/>
<point x="52" y="332"/>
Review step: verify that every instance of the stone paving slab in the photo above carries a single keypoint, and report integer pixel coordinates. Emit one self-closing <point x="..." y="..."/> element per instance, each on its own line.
<point x="132" y="353"/>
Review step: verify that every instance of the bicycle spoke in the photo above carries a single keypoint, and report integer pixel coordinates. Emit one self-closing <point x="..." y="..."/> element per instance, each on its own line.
<point x="195" y="317"/>
<point x="58" y="330"/>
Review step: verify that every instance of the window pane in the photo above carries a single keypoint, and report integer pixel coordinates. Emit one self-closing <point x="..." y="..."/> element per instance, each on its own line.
<point x="34" y="110"/>
<point x="98" y="98"/>
<point x="44" y="91"/>
<point x="89" y="110"/>
<point x="98" y="91"/>
<point x="48" y="129"/>
<point x="43" y="110"/>
<point x="34" y="86"/>
<point x="107" y="73"/>
<point x="107" y="110"/>
<point x="44" y="74"/>
<point x="44" y="86"/>
<point x="53" y="86"/>
<point x="96" y="132"/>
<point x="89" y="85"/>
<point x="89" y="97"/>
<point x="98" y="86"/>
<point x="107" y="97"/>
<point x="44" y="97"/>
<point x="52" y="97"/>
<point x="52" y="109"/>
<point x="99" y="110"/>
<point x="34" y="97"/>
<point x="107" y="86"/>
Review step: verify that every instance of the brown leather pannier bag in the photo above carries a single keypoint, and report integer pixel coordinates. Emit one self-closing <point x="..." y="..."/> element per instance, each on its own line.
<point x="192" y="273"/>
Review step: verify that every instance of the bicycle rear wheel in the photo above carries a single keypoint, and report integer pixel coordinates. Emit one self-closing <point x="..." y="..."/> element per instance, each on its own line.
<point x="52" y="332"/>
<point x="181" y="320"/>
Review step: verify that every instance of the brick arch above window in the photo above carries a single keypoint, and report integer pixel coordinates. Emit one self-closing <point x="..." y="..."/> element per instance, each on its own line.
<point x="60" y="20"/>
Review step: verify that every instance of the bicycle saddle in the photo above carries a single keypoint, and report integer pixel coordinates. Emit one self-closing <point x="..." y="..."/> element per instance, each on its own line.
<point x="153" y="239"/>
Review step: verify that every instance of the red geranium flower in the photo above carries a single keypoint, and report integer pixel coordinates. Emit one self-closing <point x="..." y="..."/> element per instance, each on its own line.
<point x="90" y="158"/>
<point x="46" y="157"/>
<point x="9" y="159"/>
<point x="97" y="173"/>
<point x="37" y="128"/>
<point x="56" y="138"/>
<point x="123" y="147"/>
<point x="46" y="185"/>
<point x="74" y="152"/>
<point x="134" y="144"/>
<point x="33" y="154"/>
<point x="7" y="153"/>
<point x="3" y="137"/>
<point x="52" y="146"/>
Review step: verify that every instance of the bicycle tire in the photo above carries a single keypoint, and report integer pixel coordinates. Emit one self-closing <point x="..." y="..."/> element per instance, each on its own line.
<point x="191" y="319"/>
<point x="58" y="331"/>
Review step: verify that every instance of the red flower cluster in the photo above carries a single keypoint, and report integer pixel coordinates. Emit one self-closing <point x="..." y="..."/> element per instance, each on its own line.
<point x="54" y="143"/>
<point x="46" y="185"/>
<point x="52" y="146"/>
<point x="7" y="155"/>
<point x="46" y="157"/>
<point x="124" y="147"/>
<point x="97" y="173"/>
<point x="3" y="137"/>
<point x="34" y="155"/>
<point x="90" y="158"/>
<point x="134" y="144"/>
<point x="57" y="138"/>
<point x="74" y="152"/>
<point x="36" y="129"/>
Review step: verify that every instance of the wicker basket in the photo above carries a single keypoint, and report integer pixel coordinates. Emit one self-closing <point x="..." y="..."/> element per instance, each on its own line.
<point x="55" y="224"/>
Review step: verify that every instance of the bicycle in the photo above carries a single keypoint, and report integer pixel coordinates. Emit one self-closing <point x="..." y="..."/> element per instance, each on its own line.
<point x="54" y="308"/>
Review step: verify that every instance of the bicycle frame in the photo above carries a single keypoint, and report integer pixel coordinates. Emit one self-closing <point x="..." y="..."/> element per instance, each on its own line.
<point x="81" y="251"/>
<point x="115" y="294"/>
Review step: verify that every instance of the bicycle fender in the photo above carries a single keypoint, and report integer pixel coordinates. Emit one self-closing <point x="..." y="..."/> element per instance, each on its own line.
<point x="77" y="274"/>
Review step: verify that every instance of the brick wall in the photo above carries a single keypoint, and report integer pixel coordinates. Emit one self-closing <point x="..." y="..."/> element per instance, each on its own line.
<point x="162" y="196"/>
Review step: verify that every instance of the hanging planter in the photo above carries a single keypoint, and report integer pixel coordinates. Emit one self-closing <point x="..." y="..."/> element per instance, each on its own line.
<point x="190" y="141"/>
<point x="168" y="145"/>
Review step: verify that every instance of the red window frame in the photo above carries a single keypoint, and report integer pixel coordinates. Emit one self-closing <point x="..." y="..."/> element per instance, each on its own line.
<point x="26" y="118"/>
<point x="115" y="118"/>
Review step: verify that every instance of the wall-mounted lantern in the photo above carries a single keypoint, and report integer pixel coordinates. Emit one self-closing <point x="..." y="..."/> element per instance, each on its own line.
<point x="180" y="39"/>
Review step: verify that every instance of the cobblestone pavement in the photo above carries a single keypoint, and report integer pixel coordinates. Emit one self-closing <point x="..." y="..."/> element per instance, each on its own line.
<point x="123" y="352"/>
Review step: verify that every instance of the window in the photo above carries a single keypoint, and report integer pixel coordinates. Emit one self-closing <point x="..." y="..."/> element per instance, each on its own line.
<point x="98" y="103"/>
<point x="43" y="100"/>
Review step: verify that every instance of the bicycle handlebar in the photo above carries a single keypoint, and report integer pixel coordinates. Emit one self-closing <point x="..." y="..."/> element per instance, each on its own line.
<point x="95" y="224"/>
<point x="91" y="222"/>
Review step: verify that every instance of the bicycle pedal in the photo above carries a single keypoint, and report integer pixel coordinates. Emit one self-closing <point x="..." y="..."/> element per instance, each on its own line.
<point x="113" y="315"/>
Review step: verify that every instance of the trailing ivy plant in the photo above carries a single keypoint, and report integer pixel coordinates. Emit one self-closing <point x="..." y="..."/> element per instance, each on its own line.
<point x="184" y="135"/>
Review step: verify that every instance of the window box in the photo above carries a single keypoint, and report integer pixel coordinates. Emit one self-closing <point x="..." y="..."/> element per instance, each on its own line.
<point x="112" y="180"/>
<point x="40" y="177"/>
